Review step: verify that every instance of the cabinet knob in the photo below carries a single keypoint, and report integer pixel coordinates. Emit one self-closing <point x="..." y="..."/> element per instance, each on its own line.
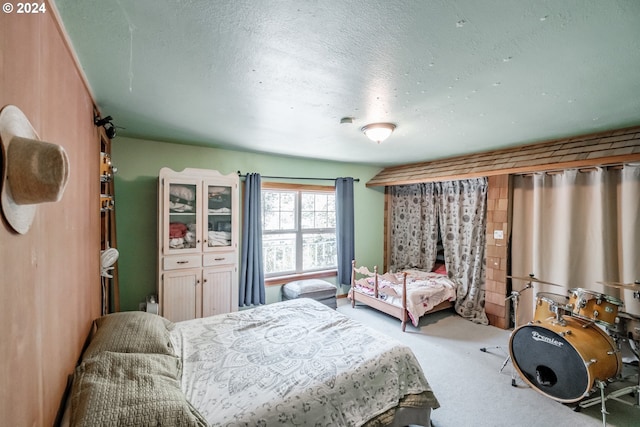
<point x="182" y="262"/>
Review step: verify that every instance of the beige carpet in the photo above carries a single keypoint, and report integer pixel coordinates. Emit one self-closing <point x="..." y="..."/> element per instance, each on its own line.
<point x="467" y="381"/>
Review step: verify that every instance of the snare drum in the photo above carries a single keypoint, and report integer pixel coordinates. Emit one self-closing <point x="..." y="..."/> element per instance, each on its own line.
<point x="548" y="305"/>
<point x="590" y="305"/>
<point x="562" y="360"/>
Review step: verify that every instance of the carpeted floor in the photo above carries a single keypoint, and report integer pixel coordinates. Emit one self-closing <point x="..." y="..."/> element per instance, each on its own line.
<point x="469" y="385"/>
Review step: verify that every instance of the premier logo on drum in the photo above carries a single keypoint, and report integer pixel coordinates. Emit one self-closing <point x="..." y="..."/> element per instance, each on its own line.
<point x="538" y="337"/>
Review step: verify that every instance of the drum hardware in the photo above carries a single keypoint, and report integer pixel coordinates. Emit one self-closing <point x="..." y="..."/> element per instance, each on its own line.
<point x="614" y="395"/>
<point x="515" y="297"/>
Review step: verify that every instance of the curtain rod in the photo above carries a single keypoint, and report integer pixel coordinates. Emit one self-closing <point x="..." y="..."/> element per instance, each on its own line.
<point x="294" y="177"/>
<point x="580" y="169"/>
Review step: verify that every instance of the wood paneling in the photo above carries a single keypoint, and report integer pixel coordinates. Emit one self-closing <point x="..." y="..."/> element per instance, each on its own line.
<point x="602" y="148"/>
<point x="50" y="284"/>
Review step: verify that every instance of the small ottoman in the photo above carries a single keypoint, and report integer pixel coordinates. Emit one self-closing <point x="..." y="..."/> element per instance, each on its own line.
<point x="319" y="290"/>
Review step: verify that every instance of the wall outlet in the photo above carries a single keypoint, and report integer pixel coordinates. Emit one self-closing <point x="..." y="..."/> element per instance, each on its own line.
<point x="498" y="234"/>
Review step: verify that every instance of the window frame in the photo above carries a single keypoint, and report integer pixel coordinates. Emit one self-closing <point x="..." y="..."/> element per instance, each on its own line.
<point x="281" y="278"/>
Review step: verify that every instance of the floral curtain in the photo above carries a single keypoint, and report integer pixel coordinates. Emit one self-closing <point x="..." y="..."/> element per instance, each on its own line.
<point x="459" y="208"/>
<point x="414" y="222"/>
<point x="463" y="219"/>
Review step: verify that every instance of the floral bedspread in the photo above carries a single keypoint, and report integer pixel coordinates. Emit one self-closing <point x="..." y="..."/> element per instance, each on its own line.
<point x="425" y="290"/>
<point x="297" y="362"/>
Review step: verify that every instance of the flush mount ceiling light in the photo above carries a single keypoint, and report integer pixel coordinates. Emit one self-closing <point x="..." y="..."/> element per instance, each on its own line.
<point x="378" y="132"/>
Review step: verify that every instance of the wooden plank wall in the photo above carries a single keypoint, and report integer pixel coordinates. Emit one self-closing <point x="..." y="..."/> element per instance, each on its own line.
<point x="597" y="149"/>
<point x="49" y="282"/>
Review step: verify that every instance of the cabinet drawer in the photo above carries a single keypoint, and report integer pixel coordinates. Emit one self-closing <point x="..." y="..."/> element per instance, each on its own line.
<point x="222" y="258"/>
<point x="176" y="262"/>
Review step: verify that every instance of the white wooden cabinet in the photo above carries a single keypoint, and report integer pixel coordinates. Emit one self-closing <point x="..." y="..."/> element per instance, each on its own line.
<point x="198" y="227"/>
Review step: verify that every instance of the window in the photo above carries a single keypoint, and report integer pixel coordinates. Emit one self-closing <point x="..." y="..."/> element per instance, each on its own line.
<point x="298" y="229"/>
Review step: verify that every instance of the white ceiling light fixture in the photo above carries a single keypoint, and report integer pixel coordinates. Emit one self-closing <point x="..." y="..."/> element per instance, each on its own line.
<point x="378" y="132"/>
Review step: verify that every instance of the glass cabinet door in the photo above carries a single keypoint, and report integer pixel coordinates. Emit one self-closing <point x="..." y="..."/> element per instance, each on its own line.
<point x="219" y="216"/>
<point x="181" y="217"/>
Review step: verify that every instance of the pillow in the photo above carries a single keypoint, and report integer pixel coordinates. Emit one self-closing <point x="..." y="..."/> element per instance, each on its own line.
<point x="181" y="192"/>
<point x="131" y="332"/>
<point x="440" y="269"/>
<point x="130" y="389"/>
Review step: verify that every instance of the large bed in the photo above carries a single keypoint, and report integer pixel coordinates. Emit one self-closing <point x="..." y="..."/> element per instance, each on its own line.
<point x="407" y="295"/>
<point x="296" y="362"/>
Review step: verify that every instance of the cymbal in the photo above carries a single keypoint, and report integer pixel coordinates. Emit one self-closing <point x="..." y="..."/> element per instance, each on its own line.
<point x="532" y="279"/>
<point x="619" y="285"/>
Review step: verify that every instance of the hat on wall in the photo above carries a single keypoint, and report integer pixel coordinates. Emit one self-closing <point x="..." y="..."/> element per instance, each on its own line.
<point x="34" y="171"/>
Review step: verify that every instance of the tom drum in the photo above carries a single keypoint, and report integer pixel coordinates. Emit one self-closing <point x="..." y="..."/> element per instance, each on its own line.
<point x="548" y="305"/>
<point x="562" y="360"/>
<point x="594" y="306"/>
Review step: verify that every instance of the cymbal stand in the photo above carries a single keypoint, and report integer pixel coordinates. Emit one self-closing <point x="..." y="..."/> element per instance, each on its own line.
<point x="515" y="297"/>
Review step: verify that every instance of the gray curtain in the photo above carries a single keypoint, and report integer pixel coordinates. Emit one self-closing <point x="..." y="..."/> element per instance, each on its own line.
<point x="463" y="222"/>
<point x="414" y="226"/>
<point x="345" y="229"/>
<point x="252" y="290"/>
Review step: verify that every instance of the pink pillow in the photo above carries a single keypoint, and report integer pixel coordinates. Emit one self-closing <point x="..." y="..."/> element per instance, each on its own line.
<point x="440" y="269"/>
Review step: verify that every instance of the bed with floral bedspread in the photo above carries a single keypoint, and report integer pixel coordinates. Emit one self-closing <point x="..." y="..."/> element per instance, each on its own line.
<point x="293" y="363"/>
<point x="407" y="295"/>
<point x="297" y="362"/>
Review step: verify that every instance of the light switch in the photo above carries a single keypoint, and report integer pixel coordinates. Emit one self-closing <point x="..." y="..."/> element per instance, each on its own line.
<point x="498" y="234"/>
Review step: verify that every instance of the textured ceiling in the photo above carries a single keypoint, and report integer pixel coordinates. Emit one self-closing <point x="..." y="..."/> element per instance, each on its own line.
<point x="455" y="76"/>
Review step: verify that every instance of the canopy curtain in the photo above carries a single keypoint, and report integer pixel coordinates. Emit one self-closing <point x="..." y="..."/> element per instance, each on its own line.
<point x="459" y="207"/>
<point x="345" y="229"/>
<point x="414" y="226"/>
<point x="463" y="222"/>
<point x="252" y="291"/>
<point x="574" y="229"/>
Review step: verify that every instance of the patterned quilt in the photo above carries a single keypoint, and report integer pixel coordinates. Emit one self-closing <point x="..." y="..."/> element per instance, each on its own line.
<point x="297" y="362"/>
<point x="425" y="290"/>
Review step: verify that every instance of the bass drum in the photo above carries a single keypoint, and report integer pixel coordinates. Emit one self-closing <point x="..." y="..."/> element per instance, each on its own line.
<point x="562" y="360"/>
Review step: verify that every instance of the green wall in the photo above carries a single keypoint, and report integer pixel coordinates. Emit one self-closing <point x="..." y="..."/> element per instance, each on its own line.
<point x="136" y="184"/>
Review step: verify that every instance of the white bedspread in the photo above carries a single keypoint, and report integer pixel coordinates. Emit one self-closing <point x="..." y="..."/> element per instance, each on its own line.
<point x="425" y="290"/>
<point x="296" y="362"/>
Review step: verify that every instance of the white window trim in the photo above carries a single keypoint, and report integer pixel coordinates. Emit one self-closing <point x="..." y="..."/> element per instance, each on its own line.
<point x="299" y="188"/>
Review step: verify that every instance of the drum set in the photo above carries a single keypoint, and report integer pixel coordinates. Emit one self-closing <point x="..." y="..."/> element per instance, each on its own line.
<point x="573" y="344"/>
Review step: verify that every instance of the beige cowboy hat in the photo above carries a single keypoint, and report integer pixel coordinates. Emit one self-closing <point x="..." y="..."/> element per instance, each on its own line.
<point x="34" y="171"/>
